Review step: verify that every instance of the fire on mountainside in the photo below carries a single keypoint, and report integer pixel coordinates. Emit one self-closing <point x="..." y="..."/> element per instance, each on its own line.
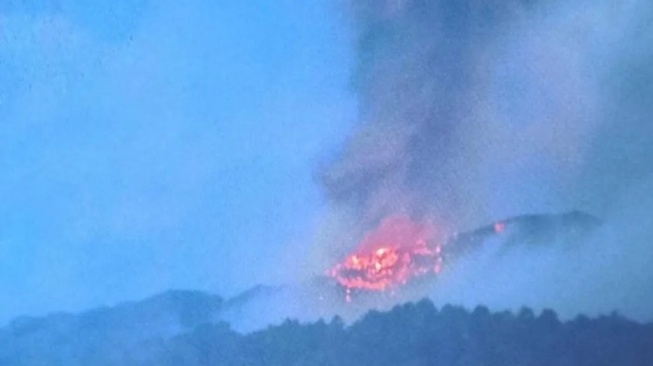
<point x="396" y="252"/>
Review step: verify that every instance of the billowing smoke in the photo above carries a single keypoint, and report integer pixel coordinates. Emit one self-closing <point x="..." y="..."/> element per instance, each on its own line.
<point x="476" y="110"/>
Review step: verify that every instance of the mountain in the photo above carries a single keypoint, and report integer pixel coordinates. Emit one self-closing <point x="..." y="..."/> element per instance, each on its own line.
<point x="195" y="328"/>
<point x="569" y="228"/>
<point x="420" y="334"/>
<point x="323" y="297"/>
<point x="176" y="328"/>
<point x="105" y="336"/>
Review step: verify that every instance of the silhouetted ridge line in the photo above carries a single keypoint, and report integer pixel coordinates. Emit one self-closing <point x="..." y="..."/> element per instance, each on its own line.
<point x="411" y="334"/>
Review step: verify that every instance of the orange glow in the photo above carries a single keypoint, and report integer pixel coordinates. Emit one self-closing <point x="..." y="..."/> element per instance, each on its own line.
<point x="389" y="256"/>
<point x="499" y="227"/>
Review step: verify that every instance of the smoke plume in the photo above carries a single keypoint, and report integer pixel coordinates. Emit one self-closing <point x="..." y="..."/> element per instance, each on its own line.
<point x="476" y="110"/>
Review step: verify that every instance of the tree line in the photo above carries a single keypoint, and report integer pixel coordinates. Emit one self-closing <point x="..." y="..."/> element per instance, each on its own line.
<point x="420" y="334"/>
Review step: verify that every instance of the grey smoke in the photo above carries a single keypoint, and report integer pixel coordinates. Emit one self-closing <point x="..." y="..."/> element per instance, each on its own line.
<point x="477" y="109"/>
<point x="472" y="111"/>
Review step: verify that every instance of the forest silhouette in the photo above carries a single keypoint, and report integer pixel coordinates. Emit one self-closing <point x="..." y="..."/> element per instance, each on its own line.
<point x="420" y="334"/>
<point x="183" y="328"/>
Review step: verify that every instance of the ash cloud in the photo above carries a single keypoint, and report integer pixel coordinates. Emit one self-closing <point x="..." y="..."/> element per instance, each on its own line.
<point x="471" y="111"/>
<point x="478" y="109"/>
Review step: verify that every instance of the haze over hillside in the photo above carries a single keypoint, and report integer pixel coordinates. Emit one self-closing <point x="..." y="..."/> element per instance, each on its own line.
<point x="412" y="182"/>
<point x="184" y="328"/>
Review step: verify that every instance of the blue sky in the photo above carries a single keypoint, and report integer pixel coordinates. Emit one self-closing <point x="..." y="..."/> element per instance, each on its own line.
<point x="147" y="145"/>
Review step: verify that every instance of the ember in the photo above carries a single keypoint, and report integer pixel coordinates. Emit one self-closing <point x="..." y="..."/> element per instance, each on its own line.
<point x="393" y="254"/>
<point x="499" y="227"/>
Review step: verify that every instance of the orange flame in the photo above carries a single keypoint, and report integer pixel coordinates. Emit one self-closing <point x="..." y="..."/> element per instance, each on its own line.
<point x="390" y="256"/>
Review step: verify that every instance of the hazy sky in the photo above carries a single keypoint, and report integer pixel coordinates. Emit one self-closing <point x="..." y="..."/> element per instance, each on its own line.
<point x="147" y="145"/>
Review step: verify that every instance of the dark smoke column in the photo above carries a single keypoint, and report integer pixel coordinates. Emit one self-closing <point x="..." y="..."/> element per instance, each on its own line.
<point x="469" y="110"/>
<point x="477" y="110"/>
<point x="416" y="77"/>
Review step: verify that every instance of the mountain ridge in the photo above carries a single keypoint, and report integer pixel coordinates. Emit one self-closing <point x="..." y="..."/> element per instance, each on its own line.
<point x="90" y="339"/>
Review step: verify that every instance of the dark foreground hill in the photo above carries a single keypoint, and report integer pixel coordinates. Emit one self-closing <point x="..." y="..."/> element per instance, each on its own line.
<point x="420" y="334"/>
<point x="183" y="328"/>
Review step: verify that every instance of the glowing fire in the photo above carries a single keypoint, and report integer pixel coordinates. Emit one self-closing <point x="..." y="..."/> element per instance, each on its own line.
<point x="393" y="254"/>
